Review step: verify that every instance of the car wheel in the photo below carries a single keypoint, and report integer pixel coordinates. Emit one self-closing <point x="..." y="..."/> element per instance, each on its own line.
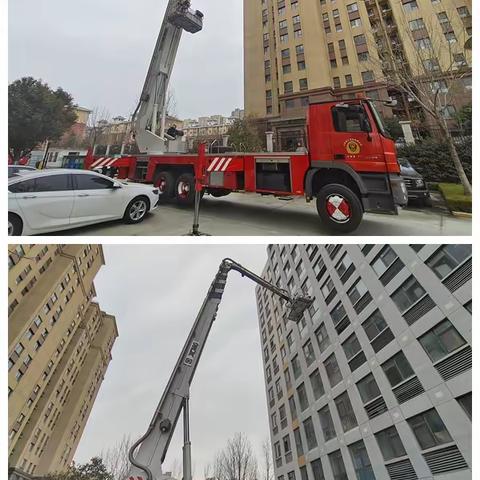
<point x="15" y="225"/>
<point x="137" y="210"/>
<point x="339" y="208"/>
<point x="185" y="189"/>
<point x="165" y="182"/>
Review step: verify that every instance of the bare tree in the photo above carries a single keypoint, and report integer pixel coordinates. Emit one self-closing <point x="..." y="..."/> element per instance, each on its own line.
<point x="236" y="461"/>
<point x="429" y="67"/>
<point x="116" y="458"/>
<point x="207" y="469"/>
<point x="177" y="469"/>
<point x="267" y="460"/>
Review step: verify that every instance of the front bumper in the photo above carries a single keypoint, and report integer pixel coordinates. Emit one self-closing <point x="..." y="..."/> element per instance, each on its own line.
<point x="399" y="190"/>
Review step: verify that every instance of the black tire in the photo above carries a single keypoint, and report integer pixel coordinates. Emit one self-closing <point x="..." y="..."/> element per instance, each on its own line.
<point x="165" y="182"/>
<point x="185" y="189"/>
<point x="137" y="210"/>
<point x="344" y="217"/>
<point x="15" y="225"/>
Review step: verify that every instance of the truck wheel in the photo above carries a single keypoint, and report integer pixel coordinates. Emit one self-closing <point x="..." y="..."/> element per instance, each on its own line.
<point x="165" y="182"/>
<point x="339" y="208"/>
<point x="185" y="189"/>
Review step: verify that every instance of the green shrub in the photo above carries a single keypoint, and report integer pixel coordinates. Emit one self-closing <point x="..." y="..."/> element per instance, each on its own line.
<point x="432" y="159"/>
<point x="455" y="198"/>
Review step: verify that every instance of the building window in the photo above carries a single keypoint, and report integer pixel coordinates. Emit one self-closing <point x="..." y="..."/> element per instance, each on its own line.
<point x="287" y="448"/>
<point x="293" y="408"/>
<point x="338" y="467"/>
<point x="465" y="402"/>
<point x="345" y="268"/>
<point x="408" y="294"/>
<point x="441" y="340"/>
<point x="317" y="384"/>
<point x="310" y="433"/>
<point x="397" y="369"/>
<point x="326" y="422"/>
<point x="278" y="454"/>
<point x="353" y="352"/>
<point x="288" y="87"/>
<point x="368" y="388"/>
<point x="361" y="461"/>
<point x="333" y="370"/>
<point x="303" y="84"/>
<point x="357" y="292"/>
<point x="429" y="429"/>
<point x="298" y="442"/>
<point x="317" y="470"/>
<point x="322" y="337"/>
<point x="448" y="258"/>
<point x="390" y="443"/>
<point x="309" y="353"/>
<point x="297" y="370"/>
<point x="339" y="317"/>
<point x="302" y="397"/>
<point x="345" y="412"/>
<point x="377" y="331"/>
<point x="384" y="260"/>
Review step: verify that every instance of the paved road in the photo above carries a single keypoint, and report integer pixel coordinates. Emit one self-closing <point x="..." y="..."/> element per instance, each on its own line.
<point x="252" y="215"/>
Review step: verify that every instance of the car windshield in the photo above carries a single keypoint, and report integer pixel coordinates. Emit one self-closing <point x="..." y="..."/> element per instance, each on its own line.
<point x="379" y="120"/>
<point x="404" y="163"/>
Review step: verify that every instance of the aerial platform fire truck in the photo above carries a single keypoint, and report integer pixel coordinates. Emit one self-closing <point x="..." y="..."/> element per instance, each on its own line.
<point x="148" y="452"/>
<point x="349" y="165"/>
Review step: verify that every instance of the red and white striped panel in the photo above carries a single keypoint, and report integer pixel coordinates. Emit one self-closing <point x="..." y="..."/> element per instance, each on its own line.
<point x="103" y="162"/>
<point x="219" y="164"/>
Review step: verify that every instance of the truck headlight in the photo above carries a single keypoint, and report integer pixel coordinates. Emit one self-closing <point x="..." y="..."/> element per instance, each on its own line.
<point x="419" y="182"/>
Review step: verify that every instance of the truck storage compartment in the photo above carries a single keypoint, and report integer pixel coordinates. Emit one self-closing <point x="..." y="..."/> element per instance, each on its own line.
<point x="273" y="174"/>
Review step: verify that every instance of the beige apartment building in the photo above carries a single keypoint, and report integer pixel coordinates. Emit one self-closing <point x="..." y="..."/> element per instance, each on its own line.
<point x="297" y="51"/>
<point x="59" y="347"/>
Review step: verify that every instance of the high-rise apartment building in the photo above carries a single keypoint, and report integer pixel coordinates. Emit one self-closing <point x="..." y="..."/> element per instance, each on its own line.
<point x="59" y="347"/>
<point x="375" y="381"/>
<point x="297" y="51"/>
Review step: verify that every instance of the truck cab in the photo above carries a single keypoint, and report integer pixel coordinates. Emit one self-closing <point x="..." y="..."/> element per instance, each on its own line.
<point x="349" y="147"/>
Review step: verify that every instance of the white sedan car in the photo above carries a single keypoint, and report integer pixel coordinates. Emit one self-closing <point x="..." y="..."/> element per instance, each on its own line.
<point x="52" y="200"/>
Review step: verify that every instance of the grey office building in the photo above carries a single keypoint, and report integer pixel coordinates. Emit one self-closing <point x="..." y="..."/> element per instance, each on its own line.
<point x="375" y="381"/>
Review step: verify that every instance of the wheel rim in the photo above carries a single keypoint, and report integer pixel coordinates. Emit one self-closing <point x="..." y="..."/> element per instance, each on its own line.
<point x="138" y="210"/>
<point x="338" y="208"/>
<point x="10" y="228"/>
<point x="183" y="189"/>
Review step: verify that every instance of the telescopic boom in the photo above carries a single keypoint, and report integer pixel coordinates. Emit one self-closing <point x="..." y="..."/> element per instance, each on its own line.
<point x="152" y="106"/>
<point x="148" y="453"/>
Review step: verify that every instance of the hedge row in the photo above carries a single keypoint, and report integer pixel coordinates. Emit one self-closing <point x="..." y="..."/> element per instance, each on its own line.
<point x="432" y="159"/>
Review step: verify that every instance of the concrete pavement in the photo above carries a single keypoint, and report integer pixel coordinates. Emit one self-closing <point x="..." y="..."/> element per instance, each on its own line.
<point x="252" y="215"/>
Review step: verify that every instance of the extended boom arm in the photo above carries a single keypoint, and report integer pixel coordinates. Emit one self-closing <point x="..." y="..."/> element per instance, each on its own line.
<point x="153" y="445"/>
<point x="152" y="105"/>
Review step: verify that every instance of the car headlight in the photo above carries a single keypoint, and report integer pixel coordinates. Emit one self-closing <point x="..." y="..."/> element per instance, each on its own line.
<point x="419" y="182"/>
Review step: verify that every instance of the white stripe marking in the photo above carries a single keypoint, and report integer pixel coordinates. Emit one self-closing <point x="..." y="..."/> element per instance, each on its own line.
<point x="104" y="163"/>
<point x="96" y="162"/>
<point x="220" y="164"/>
<point x="109" y="164"/>
<point x="229" y="161"/>
<point x="212" y="165"/>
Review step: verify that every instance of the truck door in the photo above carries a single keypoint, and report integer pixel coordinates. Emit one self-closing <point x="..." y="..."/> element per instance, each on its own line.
<point x="355" y="139"/>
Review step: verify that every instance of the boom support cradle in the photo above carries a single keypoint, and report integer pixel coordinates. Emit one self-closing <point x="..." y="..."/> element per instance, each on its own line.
<point x="153" y="445"/>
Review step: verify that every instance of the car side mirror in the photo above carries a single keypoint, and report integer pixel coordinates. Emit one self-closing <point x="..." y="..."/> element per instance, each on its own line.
<point x="116" y="185"/>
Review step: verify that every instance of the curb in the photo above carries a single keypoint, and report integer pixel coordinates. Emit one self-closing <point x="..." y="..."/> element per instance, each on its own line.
<point x="462" y="214"/>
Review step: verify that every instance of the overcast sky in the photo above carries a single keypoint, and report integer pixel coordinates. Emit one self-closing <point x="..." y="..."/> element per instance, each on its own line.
<point x="155" y="293"/>
<point x="99" y="51"/>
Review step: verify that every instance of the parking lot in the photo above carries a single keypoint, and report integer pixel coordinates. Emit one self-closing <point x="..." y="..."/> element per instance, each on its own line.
<point x="252" y="215"/>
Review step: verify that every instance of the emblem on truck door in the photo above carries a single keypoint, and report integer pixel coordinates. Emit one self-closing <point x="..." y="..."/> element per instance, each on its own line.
<point x="353" y="146"/>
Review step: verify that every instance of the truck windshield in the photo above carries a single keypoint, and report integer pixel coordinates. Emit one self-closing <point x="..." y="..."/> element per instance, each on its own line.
<point x="379" y="120"/>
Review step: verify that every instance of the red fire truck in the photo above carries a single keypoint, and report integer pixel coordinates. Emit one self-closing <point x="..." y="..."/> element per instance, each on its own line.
<point x="349" y="165"/>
